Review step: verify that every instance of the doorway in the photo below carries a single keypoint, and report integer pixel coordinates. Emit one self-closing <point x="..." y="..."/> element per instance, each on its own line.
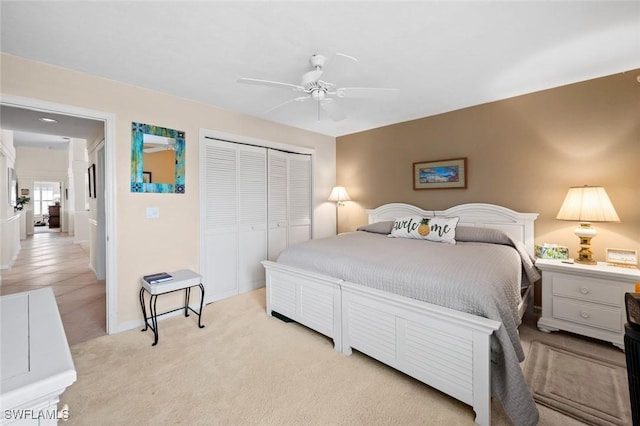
<point x="106" y="152"/>
<point x="46" y="207"/>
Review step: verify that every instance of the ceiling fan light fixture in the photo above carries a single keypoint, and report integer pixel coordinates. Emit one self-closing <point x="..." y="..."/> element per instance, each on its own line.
<point x="318" y="94"/>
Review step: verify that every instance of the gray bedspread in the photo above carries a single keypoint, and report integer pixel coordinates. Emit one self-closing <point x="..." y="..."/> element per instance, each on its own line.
<point x="480" y="275"/>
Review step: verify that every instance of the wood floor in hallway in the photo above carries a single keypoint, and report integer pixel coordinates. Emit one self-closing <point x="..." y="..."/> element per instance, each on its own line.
<point x="52" y="259"/>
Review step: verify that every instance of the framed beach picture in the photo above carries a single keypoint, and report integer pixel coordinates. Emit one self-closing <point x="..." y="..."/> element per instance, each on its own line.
<point x="440" y="174"/>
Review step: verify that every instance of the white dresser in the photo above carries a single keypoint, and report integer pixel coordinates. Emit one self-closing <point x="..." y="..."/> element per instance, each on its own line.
<point x="585" y="299"/>
<point x="35" y="364"/>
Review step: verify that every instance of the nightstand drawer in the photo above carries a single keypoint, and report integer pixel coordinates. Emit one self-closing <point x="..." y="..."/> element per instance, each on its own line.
<point x="587" y="289"/>
<point x="587" y="313"/>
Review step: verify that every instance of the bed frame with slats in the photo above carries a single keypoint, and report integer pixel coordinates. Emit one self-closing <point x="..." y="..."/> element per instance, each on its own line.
<point x="444" y="348"/>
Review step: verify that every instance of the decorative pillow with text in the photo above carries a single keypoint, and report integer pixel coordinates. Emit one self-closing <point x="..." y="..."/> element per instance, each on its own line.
<point x="438" y="229"/>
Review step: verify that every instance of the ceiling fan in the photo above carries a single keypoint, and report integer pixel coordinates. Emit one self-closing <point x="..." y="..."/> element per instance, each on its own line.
<point x="322" y="91"/>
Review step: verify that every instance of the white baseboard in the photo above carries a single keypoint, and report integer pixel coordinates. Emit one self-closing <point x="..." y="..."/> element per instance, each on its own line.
<point x="11" y="262"/>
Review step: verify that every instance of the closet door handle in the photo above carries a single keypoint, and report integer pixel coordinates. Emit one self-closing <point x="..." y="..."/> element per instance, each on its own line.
<point x="584" y="314"/>
<point x="584" y="290"/>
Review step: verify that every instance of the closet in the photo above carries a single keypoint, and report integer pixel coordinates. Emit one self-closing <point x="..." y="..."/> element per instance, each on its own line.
<point x="289" y="196"/>
<point x="256" y="201"/>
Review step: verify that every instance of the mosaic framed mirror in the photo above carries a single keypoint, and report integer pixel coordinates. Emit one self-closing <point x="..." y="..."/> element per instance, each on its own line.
<point x="157" y="159"/>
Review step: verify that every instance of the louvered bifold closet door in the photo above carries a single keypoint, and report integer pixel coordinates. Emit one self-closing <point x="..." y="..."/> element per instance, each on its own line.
<point x="221" y="227"/>
<point x="278" y="208"/>
<point x="299" y="182"/>
<point x="252" y="178"/>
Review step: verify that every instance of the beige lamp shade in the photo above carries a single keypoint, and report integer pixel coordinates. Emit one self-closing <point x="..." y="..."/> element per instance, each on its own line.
<point x="339" y="194"/>
<point x="587" y="204"/>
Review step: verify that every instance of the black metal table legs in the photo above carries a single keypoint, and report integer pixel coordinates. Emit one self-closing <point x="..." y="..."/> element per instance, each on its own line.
<point x="153" y="317"/>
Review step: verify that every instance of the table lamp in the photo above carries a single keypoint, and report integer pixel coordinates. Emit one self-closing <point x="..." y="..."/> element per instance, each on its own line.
<point x="338" y="194"/>
<point x="586" y="204"/>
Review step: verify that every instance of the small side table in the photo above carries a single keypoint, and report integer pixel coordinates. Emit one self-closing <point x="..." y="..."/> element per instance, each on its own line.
<point x="585" y="299"/>
<point x="182" y="280"/>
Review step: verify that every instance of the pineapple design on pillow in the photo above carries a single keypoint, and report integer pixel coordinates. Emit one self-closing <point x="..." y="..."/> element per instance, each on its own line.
<point x="423" y="229"/>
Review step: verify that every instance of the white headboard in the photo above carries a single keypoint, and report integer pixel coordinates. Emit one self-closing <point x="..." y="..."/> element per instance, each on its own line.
<point x="518" y="226"/>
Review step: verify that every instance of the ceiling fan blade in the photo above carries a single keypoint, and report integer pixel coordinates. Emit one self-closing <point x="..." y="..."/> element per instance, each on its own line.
<point x="344" y="56"/>
<point x="299" y="99"/>
<point x="338" y="67"/>
<point x="259" y="82"/>
<point x="366" y="92"/>
<point x="333" y="109"/>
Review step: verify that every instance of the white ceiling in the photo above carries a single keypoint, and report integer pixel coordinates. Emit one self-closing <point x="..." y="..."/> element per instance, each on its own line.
<point x="442" y="56"/>
<point x="30" y="131"/>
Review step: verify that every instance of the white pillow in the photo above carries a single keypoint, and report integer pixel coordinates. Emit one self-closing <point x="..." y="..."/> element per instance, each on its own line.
<point x="439" y="229"/>
<point x="411" y="227"/>
<point x="443" y="229"/>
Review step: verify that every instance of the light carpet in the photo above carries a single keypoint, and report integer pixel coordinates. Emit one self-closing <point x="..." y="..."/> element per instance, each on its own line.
<point x="243" y="368"/>
<point x="246" y="368"/>
<point x="592" y="390"/>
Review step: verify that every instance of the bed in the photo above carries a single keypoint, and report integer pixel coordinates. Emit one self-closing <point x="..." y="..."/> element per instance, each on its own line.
<point x="469" y="352"/>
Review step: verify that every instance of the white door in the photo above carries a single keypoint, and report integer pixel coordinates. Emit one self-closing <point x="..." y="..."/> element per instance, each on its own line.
<point x="299" y="183"/>
<point x="219" y="268"/>
<point x="278" y="205"/>
<point x="289" y="200"/>
<point x="235" y="218"/>
<point x="252" y="191"/>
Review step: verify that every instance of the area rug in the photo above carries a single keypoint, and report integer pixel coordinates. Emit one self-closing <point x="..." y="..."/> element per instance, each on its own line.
<point x="592" y="390"/>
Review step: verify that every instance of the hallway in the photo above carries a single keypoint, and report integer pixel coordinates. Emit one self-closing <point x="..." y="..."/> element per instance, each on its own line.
<point x="53" y="259"/>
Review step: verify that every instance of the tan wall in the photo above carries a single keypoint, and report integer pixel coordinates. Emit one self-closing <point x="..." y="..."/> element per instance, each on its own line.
<point x="172" y="241"/>
<point x="523" y="153"/>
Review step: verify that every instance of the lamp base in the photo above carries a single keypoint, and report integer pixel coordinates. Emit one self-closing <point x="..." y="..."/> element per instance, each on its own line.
<point x="585" y="232"/>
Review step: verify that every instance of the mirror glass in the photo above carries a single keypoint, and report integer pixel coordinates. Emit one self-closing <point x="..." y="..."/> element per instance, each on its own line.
<point x="157" y="159"/>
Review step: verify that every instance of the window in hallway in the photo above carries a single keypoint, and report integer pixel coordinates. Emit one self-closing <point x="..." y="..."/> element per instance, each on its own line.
<point x="45" y="194"/>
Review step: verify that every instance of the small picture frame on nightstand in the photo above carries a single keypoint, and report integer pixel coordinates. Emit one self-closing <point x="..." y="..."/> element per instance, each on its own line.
<point x="622" y="257"/>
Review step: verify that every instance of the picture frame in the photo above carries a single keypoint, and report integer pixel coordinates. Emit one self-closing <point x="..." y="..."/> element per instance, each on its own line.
<point x="622" y="257"/>
<point x="146" y="177"/>
<point x="92" y="181"/>
<point x="12" y="187"/>
<point x="440" y="174"/>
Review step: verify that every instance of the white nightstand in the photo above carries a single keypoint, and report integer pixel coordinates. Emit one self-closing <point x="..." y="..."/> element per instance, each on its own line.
<point x="585" y="299"/>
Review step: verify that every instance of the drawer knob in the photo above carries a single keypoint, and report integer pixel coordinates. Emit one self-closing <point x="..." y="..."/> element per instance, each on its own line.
<point x="584" y="290"/>
<point x="584" y="314"/>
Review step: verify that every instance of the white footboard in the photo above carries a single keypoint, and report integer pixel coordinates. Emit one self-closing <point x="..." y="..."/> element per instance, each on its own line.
<point x="446" y="349"/>
<point x="310" y="299"/>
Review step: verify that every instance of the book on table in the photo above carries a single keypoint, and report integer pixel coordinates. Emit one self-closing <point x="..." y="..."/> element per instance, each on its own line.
<point x="157" y="278"/>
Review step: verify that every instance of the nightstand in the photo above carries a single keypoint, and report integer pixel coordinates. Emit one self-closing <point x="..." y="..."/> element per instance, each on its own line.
<point x="585" y="299"/>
